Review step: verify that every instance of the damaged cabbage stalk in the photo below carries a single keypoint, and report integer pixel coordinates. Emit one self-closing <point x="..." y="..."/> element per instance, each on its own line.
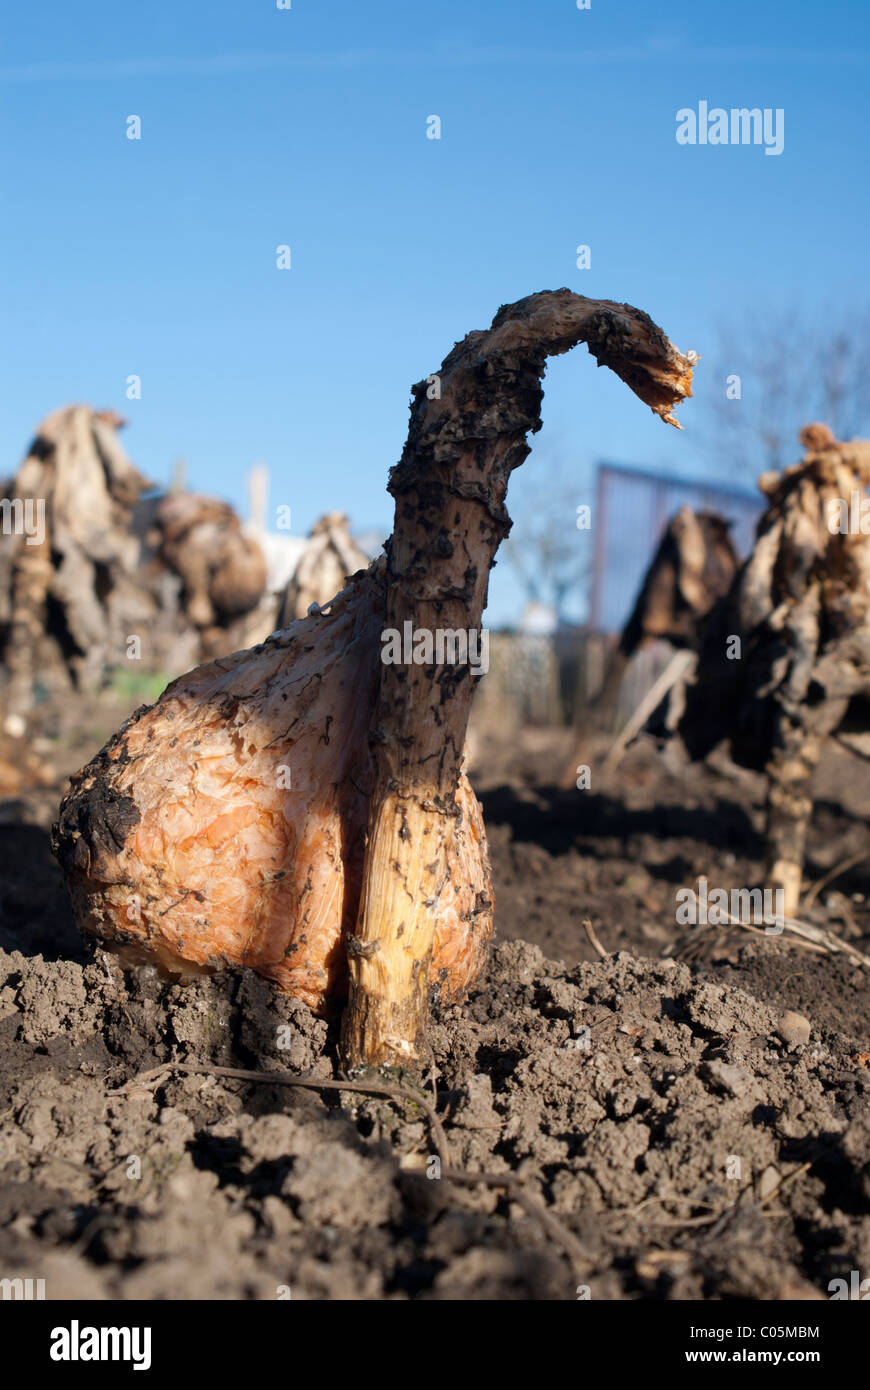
<point x="301" y="808"/>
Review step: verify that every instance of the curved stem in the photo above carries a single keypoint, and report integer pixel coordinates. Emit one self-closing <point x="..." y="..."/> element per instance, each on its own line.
<point x="468" y="431"/>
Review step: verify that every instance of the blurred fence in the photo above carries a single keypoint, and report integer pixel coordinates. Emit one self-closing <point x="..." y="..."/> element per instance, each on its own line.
<point x="537" y="681"/>
<point x="544" y="680"/>
<point x="631" y="513"/>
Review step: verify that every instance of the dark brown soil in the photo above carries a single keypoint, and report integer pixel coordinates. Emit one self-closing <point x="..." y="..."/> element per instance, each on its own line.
<point x="688" y="1150"/>
<point x="618" y="856"/>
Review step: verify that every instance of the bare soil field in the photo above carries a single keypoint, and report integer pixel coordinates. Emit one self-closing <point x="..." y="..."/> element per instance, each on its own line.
<point x="660" y="1129"/>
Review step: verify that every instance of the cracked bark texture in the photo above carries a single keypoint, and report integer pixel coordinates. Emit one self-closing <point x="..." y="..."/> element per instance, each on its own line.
<point x="800" y="606"/>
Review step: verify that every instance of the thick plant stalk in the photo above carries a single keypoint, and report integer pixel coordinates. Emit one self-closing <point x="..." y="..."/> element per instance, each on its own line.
<point x="789" y="807"/>
<point x="466" y="437"/>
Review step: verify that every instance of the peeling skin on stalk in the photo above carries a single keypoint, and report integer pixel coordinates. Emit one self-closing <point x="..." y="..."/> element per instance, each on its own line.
<point x="369" y="872"/>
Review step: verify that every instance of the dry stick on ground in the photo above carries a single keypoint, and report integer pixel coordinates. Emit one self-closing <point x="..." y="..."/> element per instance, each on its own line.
<point x="370" y="871"/>
<point x="785" y="1182"/>
<point x="513" y="1183"/>
<point x="593" y="939"/>
<point x="807" y="936"/>
<point x="394" y="1090"/>
<point x="717" y="1213"/>
<point x="829" y="877"/>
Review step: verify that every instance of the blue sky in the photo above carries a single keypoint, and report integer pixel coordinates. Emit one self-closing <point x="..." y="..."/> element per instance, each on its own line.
<point x="307" y="127"/>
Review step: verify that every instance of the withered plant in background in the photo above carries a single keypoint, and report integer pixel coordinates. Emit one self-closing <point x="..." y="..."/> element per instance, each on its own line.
<point x="222" y="571"/>
<point x="800" y="608"/>
<point x="69" y="593"/>
<point x="693" y="567"/>
<point x="329" y="559"/>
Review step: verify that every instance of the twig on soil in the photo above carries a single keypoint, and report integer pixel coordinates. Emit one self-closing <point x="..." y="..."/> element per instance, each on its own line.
<point x="593" y="939"/>
<point x="720" y="1214"/>
<point x="829" y="877"/>
<point x="531" y="1203"/>
<point x="536" y="1207"/>
<point x="314" y="1083"/>
<point x="785" y="1182"/>
<point x="514" y="1182"/>
<point x="715" y="1212"/>
<point x="689" y="1220"/>
<point x="678" y="1201"/>
<point x="802" y="934"/>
